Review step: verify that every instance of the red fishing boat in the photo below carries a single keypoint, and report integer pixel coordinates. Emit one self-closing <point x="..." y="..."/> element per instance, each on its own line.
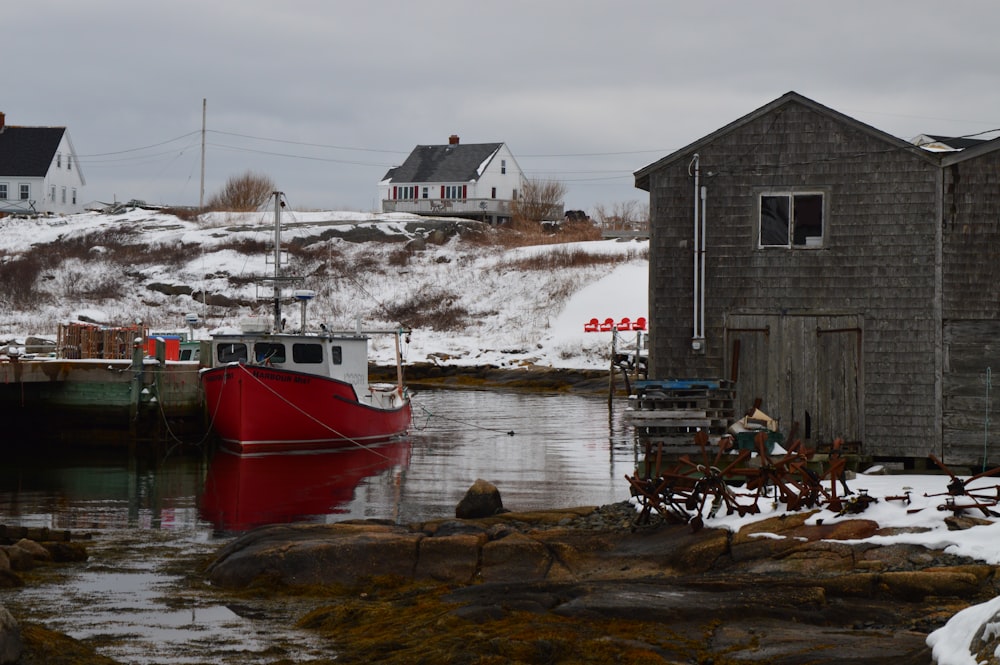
<point x="271" y="391"/>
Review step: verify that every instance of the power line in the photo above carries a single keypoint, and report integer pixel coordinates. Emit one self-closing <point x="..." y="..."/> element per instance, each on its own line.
<point x="147" y="147"/>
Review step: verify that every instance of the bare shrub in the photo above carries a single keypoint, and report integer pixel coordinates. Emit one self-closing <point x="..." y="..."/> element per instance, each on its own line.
<point x="430" y="309"/>
<point x="540" y="200"/>
<point x="400" y="257"/>
<point x="183" y="213"/>
<point x="20" y="277"/>
<point x="623" y="216"/>
<point x="243" y="193"/>
<point x="246" y="246"/>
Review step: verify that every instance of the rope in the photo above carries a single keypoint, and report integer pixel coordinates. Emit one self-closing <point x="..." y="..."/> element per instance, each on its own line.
<point x="310" y="416"/>
<point x="461" y="422"/>
<point x="208" y="430"/>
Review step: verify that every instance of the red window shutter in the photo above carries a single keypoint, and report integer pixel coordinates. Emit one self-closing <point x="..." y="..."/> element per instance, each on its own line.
<point x="442" y="191"/>
<point x="394" y="197"/>
<point x="465" y="189"/>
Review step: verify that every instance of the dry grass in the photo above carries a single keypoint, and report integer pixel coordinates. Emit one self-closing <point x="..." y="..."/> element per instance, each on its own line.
<point x="524" y="234"/>
<point x="569" y="258"/>
<point x="430" y="310"/>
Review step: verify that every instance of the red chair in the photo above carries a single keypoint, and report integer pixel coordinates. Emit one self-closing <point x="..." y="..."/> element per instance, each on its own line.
<point x="639" y="324"/>
<point x="591" y="326"/>
<point x="625" y="324"/>
<point x="608" y="324"/>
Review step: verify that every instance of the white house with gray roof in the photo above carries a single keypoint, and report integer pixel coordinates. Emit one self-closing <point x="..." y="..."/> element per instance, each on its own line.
<point x="39" y="171"/>
<point x="475" y="180"/>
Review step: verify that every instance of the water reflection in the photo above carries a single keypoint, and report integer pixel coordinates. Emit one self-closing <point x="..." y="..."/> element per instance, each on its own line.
<point x="245" y="491"/>
<point x="540" y="450"/>
<point x="564" y="450"/>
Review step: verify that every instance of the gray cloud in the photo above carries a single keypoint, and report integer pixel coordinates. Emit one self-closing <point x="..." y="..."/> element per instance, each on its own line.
<point x="325" y="96"/>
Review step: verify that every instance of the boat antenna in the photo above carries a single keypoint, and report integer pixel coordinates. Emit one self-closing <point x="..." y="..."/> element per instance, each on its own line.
<point x="278" y="205"/>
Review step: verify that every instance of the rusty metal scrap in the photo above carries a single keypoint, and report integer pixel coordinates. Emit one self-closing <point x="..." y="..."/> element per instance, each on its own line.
<point x="687" y="490"/>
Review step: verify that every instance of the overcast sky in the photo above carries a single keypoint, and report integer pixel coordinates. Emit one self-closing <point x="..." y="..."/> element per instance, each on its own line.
<point x="325" y="96"/>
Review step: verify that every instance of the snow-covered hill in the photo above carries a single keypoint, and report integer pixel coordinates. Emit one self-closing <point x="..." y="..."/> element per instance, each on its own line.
<point x="469" y="301"/>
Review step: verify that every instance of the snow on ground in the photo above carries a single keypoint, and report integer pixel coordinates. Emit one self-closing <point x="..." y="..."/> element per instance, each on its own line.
<point x="513" y="317"/>
<point x="951" y="643"/>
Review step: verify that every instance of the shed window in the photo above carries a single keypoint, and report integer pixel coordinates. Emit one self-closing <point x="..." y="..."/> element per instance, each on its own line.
<point x="25" y="191"/>
<point x="3" y="190"/>
<point x="791" y="220"/>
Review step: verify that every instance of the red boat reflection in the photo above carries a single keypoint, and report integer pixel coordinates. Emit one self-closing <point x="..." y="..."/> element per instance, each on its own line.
<point x="246" y="491"/>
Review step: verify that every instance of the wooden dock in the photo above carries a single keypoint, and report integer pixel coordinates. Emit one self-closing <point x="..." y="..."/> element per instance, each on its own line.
<point x="140" y="396"/>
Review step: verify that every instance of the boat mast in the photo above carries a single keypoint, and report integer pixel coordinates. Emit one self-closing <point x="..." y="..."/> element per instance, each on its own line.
<point x="277" y="261"/>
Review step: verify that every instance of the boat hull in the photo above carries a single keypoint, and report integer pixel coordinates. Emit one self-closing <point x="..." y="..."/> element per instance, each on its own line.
<point x="267" y="409"/>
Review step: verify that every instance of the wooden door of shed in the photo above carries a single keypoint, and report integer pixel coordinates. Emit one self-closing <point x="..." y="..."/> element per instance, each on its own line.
<point x="803" y="368"/>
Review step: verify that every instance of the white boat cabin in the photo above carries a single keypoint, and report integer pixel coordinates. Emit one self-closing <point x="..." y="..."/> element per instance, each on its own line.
<point x="339" y="356"/>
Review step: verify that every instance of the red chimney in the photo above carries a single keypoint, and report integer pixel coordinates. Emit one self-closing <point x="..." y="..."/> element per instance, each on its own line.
<point x="453" y="139"/>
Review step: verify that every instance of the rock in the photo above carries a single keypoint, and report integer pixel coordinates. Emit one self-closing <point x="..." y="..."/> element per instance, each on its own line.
<point x="11" y="645"/>
<point x="915" y="586"/>
<point x="64" y="552"/>
<point x="453" y="559"/>
<point x="305" y="555"/>
<point x="481" y="500"/>
<point x="516" y="558"/>
<point x="36" y="551"/>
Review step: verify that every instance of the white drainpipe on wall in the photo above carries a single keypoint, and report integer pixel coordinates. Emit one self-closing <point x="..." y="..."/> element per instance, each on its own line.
<point x="698" y="259"/>
<point x="694" y="248"/>
<point x="704" y="229"/>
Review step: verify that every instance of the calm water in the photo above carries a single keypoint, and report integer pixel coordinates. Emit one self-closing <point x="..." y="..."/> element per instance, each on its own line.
<point x="539" y="450"/>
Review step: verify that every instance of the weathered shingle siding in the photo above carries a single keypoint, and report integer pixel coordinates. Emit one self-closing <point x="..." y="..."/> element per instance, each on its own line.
<point x="971" y="338"/>
<point x="878" y="259"/>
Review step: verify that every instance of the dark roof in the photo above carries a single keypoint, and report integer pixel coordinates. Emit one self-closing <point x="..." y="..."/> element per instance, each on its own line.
<point x="642" y="175"/>
<point x="28" y="151"/>
<point x="956" y="142"/>
<point x="443" y="163"/>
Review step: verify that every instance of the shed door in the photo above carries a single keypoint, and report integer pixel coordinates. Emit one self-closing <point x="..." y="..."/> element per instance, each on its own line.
<point x="804" y="369"/>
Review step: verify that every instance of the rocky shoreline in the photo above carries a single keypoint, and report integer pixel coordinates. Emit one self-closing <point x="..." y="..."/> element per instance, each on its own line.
<point x="579" y="585"/>
<point x="587" y="586"/>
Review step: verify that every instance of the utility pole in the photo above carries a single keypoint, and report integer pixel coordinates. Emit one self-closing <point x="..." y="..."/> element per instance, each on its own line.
<point x="201" y="197"/>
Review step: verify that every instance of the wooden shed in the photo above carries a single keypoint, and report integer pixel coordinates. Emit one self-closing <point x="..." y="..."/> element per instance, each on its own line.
<point x="847" y="278"/>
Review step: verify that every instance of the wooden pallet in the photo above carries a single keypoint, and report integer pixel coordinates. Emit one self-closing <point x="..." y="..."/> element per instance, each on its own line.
<point x="672" y="411"/>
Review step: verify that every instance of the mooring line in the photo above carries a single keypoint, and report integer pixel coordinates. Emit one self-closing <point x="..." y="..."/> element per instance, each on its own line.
<point x="461" y="422"/>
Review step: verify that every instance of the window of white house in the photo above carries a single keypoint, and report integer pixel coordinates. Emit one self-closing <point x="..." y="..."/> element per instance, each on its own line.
<point x="58" y="160"/>
<point x="25" y="191"/>
<point x="791" y="219"/>
<point x="3" y="191"/>
<point x="52" y="193"/>
<point x="74" y="195"/>
<point x="63" y="193"/>
<point x="69" y="163"/>
<point x="452" y="191"/>
<point x="425" y="193"/>
<point x="493" y="192"/>
<point x="503" y="166"/>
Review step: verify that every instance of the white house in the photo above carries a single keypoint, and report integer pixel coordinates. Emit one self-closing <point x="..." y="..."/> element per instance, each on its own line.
<point x="39" y="171"/>
<point x="476" y="180"/>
